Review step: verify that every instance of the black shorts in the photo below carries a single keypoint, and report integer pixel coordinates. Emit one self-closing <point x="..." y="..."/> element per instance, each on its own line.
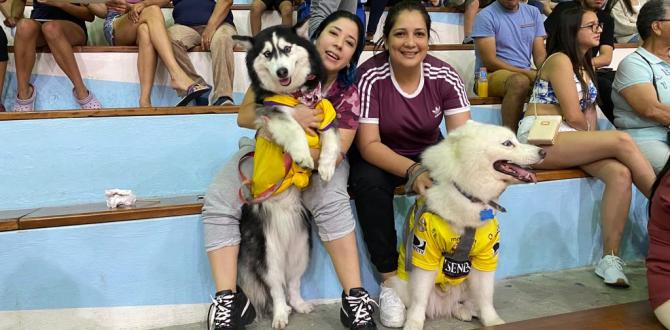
<point x="3" y="47"/>
<point x="274" y="4"/>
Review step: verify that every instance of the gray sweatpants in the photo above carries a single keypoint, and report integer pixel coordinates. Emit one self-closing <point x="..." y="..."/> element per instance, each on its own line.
<point x="322" y="8"/>
<point x="328" y="202"/>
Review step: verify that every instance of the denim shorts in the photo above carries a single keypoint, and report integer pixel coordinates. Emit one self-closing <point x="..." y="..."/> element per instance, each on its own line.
<point x="108" y="26"/>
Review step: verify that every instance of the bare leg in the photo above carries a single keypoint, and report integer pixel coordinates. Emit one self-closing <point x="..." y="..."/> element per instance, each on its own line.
<point x="28" y="37"/>
<point x="61" y="35"/>
<point x="286" y="11"/>
<point x="153" y="17"/>
<point x="146" y="64"/>
<point x="581" y="148"/>
<point x="223" y="262"/>
<point x="469" y="17"/>
<point x="663" y="314"/>
<point x="616" y="200"/>
<point x="255" y="14"/>
<point x="344" y="254"/>
<point x="516" y="93"/>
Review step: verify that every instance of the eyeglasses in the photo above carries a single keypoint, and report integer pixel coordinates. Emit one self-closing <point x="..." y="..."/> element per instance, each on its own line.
<point x="593" y="26"/>
<point x="663" y="20"/>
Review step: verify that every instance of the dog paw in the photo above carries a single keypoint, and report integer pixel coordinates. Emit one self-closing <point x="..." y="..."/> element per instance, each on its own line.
<point x="492" y="322"/>
<point x="463" y="313"/>
<point x="280" y="318"/>
<point x="413" y="325"/>
<point x="303" y="160"/>
<point x="326" y="170"/>
<point x="302" y="307"/>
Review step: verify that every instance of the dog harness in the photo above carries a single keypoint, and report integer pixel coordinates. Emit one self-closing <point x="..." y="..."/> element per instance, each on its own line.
<point x="274" y="171"/>
<point x="430" y="243"/>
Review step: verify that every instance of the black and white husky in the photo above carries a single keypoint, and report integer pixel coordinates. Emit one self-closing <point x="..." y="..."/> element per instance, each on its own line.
<point x="275" y="246"/>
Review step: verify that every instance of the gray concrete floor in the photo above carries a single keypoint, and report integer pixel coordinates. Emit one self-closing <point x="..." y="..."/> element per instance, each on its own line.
<point x="516" y="299"/>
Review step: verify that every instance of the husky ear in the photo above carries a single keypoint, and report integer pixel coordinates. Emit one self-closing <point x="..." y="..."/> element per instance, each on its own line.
<point x="244" y="42"/>
<point x="302" y="29"/>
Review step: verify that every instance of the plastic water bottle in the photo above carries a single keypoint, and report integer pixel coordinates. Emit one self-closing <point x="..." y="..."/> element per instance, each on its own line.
<point x="482" y="83"/>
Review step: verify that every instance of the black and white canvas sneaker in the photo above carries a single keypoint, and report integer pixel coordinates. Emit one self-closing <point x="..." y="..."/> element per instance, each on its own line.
<point x="230" y="310"/>
<point x="357" y="309"/>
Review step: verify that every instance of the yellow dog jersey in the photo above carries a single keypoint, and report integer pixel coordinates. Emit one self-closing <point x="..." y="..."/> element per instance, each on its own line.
<point x="434" y="235"/>
<point x="269" y="165"/>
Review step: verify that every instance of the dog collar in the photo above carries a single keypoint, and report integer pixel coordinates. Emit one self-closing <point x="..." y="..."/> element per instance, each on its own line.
<point x="474" y="199"/>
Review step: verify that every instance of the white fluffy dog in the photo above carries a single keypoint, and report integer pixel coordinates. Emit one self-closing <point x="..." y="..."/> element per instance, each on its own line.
<point x="470" y="169"/>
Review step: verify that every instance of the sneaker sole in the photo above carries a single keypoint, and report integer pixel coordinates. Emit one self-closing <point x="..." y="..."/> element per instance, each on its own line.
<point x="620" y="283"/>
<point x="391" y="324"/>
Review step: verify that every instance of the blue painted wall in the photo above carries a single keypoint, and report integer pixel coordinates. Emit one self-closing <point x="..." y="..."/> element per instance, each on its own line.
<point x="549" y="226"/>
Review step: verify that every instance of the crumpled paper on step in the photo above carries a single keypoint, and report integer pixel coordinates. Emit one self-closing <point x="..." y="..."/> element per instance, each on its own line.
<point x="120" y="197"/>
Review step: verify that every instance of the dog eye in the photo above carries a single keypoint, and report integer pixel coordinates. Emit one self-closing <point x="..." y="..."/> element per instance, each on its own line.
<point x="287" y="49"/>
<point x="508" y="143"/>
<point x="267" y="54"/>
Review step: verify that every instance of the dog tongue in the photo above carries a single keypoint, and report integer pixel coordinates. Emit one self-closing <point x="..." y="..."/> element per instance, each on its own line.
<point x="515" y="171"/>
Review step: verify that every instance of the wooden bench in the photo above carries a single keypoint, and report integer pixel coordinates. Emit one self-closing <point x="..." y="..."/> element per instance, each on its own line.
<point x="634" y="315"/>
<point x="159" y="111"/>
<point x="93" y="213"/>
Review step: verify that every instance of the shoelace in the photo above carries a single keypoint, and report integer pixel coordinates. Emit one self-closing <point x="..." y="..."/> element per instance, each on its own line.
<point x="362" y="307"/>
<point x="615" y="261"/>
<point x="223" y="306"/>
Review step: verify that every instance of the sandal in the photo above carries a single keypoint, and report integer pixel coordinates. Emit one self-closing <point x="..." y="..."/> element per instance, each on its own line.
<point x="89" y="102"/>
<point x="192" y="92"/>
<point x="27" y="105"/>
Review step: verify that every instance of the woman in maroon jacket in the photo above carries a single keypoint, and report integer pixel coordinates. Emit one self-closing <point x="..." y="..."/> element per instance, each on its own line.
<point x="658" y="258"/>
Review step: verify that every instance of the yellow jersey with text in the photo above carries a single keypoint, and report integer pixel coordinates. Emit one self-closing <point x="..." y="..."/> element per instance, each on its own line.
<point x="269" y="165"/>
<point x="433" y="238"/>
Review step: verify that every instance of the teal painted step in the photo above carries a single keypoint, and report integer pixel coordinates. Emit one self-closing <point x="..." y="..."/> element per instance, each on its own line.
<point x="549" y="226"/>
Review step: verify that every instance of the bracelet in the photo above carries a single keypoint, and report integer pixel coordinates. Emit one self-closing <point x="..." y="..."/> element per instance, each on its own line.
<point x="411" y="169"/>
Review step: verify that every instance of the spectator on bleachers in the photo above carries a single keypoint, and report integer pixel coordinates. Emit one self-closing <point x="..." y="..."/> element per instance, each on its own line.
<point x="141" y="23"/>
<point x="405" y="94"/>
<point x="4" y="57"/>
<point x="658" y="256"/>
<point x="59" y="25"/>
<point x="642" y="86"/>
<point x="506" y="34"/>
<point x="376" y="10"/>
<point x="565" y="86"/>
<point x="320" y="9"/>
<point x="602" y="53"/>
<point x="340" y="34"/>
<point x="258" y="7"/>
<point x="624" y="13"/>
<point x="208" y="24"/>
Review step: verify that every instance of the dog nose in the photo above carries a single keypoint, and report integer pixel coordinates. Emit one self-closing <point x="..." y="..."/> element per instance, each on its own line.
<point x="542" y="153"/>
<point x="282" y="73"/>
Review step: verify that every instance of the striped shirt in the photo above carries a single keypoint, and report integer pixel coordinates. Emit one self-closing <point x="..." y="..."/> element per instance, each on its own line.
<point x="409" y="123"/>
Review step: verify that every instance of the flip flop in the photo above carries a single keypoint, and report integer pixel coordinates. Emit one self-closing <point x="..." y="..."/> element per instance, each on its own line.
<point x="192" y="92"/>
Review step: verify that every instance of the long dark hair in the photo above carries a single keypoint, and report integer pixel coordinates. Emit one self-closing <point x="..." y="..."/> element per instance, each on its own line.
<point x="347" y="75"/>
<point x="565" y="41"/>
<point x="392" y="17"/>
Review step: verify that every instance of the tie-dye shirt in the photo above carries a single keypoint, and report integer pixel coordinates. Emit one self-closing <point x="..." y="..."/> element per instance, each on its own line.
<point x="347" y="104"/>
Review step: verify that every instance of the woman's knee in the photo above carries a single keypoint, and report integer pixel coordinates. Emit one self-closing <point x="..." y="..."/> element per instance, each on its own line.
<point x="52" y="31"/>
<point x="624" y="142"/>
<point x="152" y="12"/>
<point x="27" y="28"/>
<point x="143" y="37"/>
<point x="619" y="175"/>
<point x="257" y="7"/>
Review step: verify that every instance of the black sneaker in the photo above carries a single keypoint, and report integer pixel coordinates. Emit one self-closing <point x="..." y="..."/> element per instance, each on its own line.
<point x="230" y="310"/>
<point x="356" y="311"/>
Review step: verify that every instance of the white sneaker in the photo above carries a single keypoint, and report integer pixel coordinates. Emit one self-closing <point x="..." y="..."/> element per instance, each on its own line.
<point x="391" y="308"/>
<point x="610" y="269"/>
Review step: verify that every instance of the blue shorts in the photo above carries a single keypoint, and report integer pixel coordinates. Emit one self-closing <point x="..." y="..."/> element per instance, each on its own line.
<point x="108" y="26"/>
